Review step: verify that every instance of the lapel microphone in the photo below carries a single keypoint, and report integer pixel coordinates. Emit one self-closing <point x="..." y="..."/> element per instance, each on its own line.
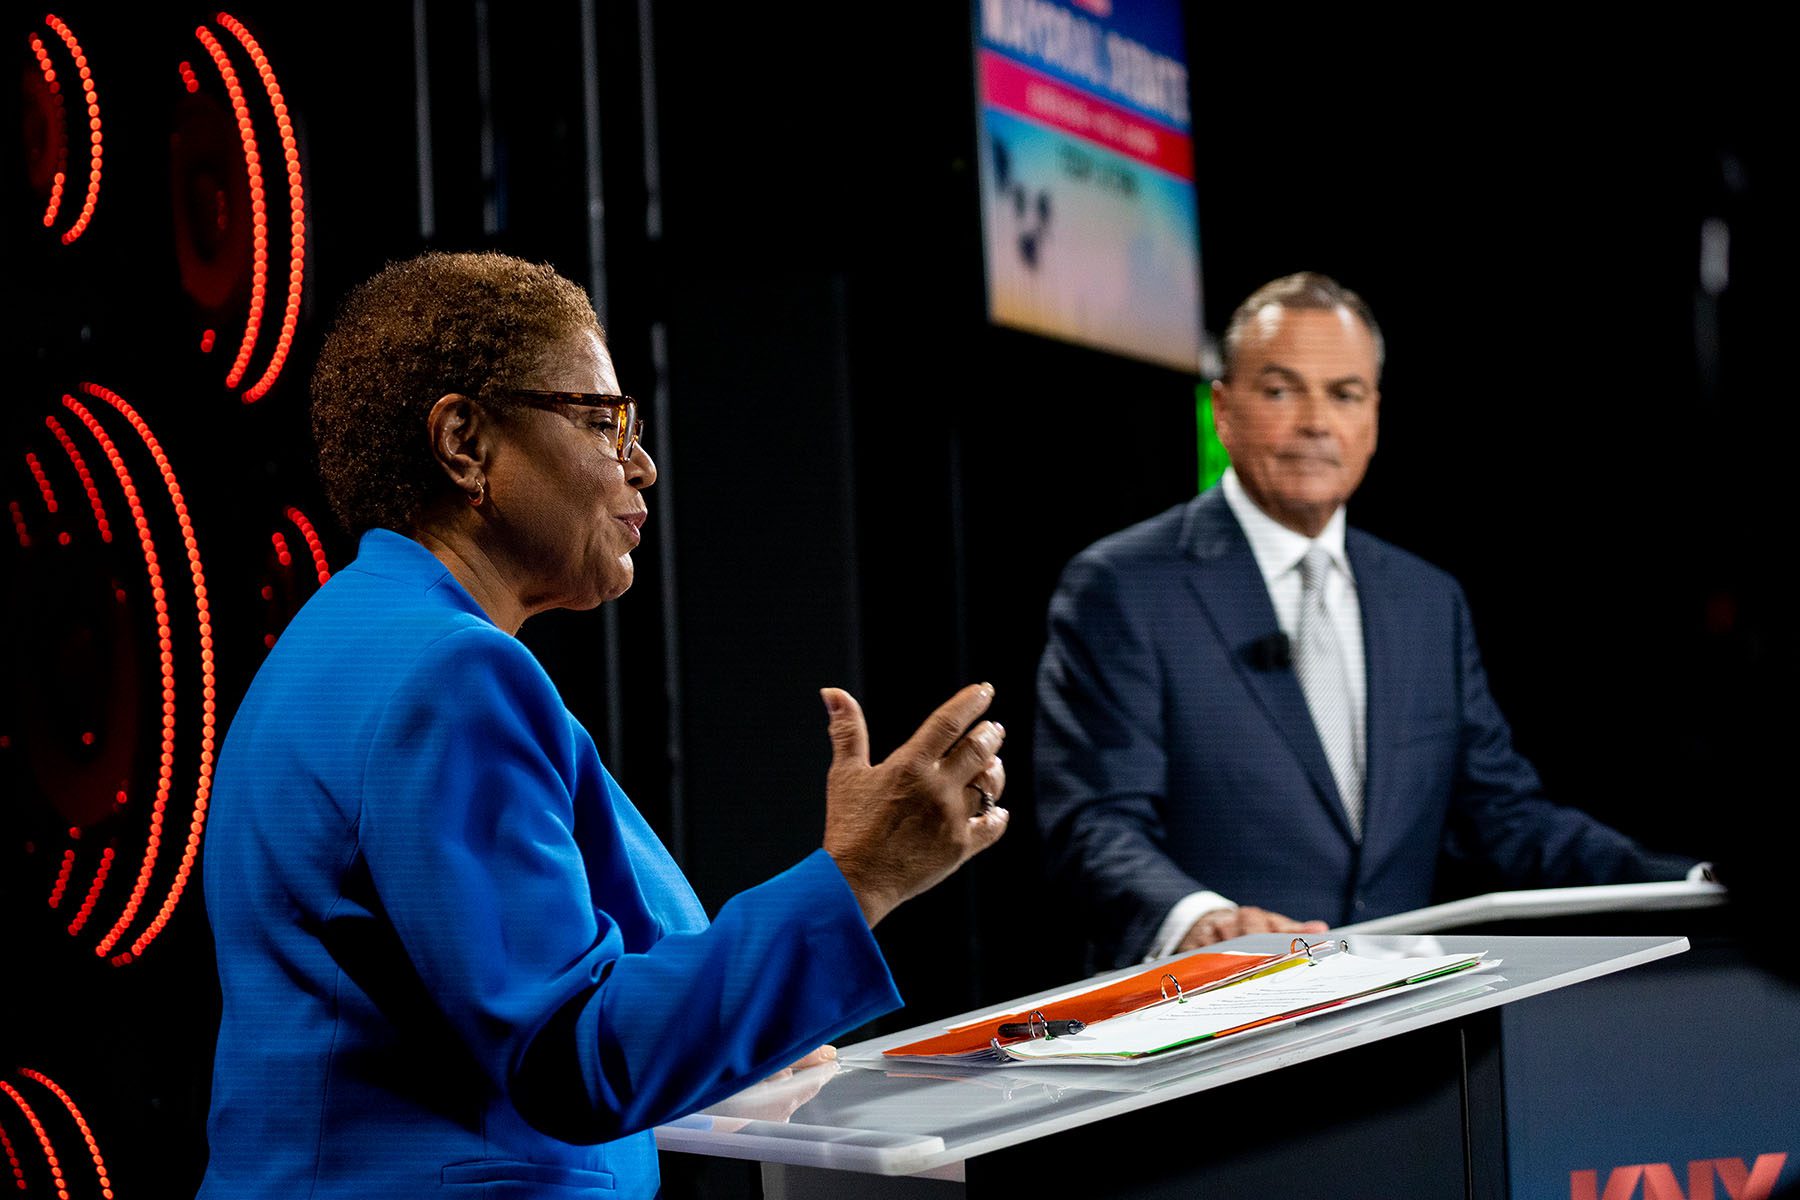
<point x="1271" y="653"/>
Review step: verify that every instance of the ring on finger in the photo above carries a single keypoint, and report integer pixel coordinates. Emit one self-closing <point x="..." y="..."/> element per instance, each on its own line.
<point x="987" y="797"/>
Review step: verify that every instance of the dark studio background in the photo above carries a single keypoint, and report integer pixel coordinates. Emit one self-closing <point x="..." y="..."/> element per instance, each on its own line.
<point x="864" y="484"/>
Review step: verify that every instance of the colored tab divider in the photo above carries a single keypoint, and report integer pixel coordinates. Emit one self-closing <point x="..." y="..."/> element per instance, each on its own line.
<point x="1089" y="1005"/>
<point x="1018" y="89"/>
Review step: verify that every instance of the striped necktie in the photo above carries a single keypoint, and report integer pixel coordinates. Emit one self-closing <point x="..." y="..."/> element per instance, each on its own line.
<point x="1325" y="680"/>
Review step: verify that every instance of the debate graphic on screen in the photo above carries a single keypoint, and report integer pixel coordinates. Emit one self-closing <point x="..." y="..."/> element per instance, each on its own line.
<point x="1087" y="176"/>
<point x="1029" y="209"/>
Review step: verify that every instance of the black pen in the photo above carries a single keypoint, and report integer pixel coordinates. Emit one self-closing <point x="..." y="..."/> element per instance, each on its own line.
<point x="1018" y="1029"/>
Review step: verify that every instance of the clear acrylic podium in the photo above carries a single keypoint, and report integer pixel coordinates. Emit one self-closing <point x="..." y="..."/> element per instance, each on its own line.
<point x="1701" y="1058"/>
<point x="1402" y="1097"/>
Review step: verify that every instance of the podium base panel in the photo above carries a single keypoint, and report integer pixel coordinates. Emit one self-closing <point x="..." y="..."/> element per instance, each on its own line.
<point x="781" y="1182"/>
<point x="1420" y="1115"/>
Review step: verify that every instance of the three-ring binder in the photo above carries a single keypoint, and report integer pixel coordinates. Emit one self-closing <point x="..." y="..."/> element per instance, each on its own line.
<point x="1171" y="983"/>
<point x="1036" y="1025"/>
<point x="1176" y="1006"/>
<point x="1317" y="950"/>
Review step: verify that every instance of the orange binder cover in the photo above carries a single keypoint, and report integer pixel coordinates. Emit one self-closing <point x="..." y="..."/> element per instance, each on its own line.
<point x="1109" y="1000"/>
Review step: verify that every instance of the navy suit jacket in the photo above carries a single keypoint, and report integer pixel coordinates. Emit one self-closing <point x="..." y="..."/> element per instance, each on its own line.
<point x="455" y="960"/>
<point x="1174" y="756"/>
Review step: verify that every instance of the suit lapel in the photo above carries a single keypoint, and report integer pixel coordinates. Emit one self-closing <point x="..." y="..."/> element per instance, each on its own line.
<point x="1231" y="591"/>
<point x="1374" y="596"/>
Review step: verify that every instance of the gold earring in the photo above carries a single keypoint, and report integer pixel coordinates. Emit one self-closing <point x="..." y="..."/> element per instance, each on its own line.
<point x="480" y="493"/>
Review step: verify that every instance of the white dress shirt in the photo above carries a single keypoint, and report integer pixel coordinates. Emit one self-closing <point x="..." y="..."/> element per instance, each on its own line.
<point x="1278" y="551"/>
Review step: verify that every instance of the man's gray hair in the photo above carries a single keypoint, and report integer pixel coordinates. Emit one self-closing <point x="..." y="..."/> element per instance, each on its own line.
<point x="1303" y="289"/>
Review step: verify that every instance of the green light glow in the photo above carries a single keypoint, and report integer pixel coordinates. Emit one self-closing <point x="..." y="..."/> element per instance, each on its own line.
<point x="1213" y="459"/>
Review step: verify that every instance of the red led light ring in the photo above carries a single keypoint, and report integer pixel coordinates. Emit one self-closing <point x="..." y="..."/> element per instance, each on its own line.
<point x="56" y="181"/>
<point x="43" y="481"/>
<point x="43" y="1138"/>
<point x="189" y="80"/>
<point x="18" y="520"/>
<point x="93" y="893"/>
<point x="81" y="472"/>
<point x="313" y="545"/>
<point x="166" y="652"/>
<point x="12" y="1158"/>
<point x="290" y="149"/>
<point x="282" y="555"/>
<point x="208" y="707"/>
<point x="80" y="1123"/>
<point x="93" y="113"/>
<point x="259" y="262"/>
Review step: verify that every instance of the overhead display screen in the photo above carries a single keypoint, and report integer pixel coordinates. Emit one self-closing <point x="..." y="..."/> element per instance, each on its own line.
<point x="1087" y="174"/>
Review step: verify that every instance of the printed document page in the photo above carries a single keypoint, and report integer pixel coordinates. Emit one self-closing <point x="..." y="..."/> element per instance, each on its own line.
<point x="1332" y="982"/>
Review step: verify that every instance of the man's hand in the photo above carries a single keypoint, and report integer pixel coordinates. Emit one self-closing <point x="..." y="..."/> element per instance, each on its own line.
<point x="1223" y="924"/>
<point x="901" y="826"/>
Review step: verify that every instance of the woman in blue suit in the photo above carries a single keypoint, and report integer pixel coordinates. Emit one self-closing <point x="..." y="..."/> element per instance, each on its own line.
<point x="455" y="959"/>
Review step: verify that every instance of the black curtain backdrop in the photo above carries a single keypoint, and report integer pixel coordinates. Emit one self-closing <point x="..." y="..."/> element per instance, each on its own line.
<point x="867" y="485"/>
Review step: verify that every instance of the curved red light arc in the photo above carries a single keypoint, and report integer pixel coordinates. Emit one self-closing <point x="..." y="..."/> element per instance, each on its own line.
<point x="18" y="520"/>
<point x="93" y="892"/>
<point x="82" y="473"/>
<point x="61" y="885"/>
<point x="37" y="1127"/>
<point x="93" y="124"/>
<point x="314" y="545"/>
<point x="208" y="680"/>
<point x="259" y="222"/>
<point x="12" y="1158"/>
<point x="81" y="1124"/>
<point x="54" y="204"/>
<point x="166" y="652"/>
<point x="43" y="481"/>
<point x="290" y="150"/>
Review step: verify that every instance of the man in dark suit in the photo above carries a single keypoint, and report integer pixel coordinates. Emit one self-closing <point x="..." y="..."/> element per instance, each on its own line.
<point x="1246" y="710"/>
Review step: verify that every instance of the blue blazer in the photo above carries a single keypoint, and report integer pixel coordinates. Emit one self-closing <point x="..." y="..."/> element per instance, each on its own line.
<point x="455" y="960"/>
<point x="1174" y="754"/>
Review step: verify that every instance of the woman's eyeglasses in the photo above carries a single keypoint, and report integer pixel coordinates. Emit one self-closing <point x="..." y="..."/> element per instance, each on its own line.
<point x="621" y="423"/>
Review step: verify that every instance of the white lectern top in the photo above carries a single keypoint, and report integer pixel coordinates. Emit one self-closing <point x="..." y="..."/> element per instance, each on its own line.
<point x="892" y="1118"/>
<point x="1537" y="903"/>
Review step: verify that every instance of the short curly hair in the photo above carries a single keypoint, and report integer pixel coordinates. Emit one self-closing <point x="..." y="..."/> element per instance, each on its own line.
<point x="438" y="323"/>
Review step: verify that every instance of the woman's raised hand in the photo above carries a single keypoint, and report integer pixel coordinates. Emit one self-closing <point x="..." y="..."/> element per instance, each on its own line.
<point x="902" y="825"/>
